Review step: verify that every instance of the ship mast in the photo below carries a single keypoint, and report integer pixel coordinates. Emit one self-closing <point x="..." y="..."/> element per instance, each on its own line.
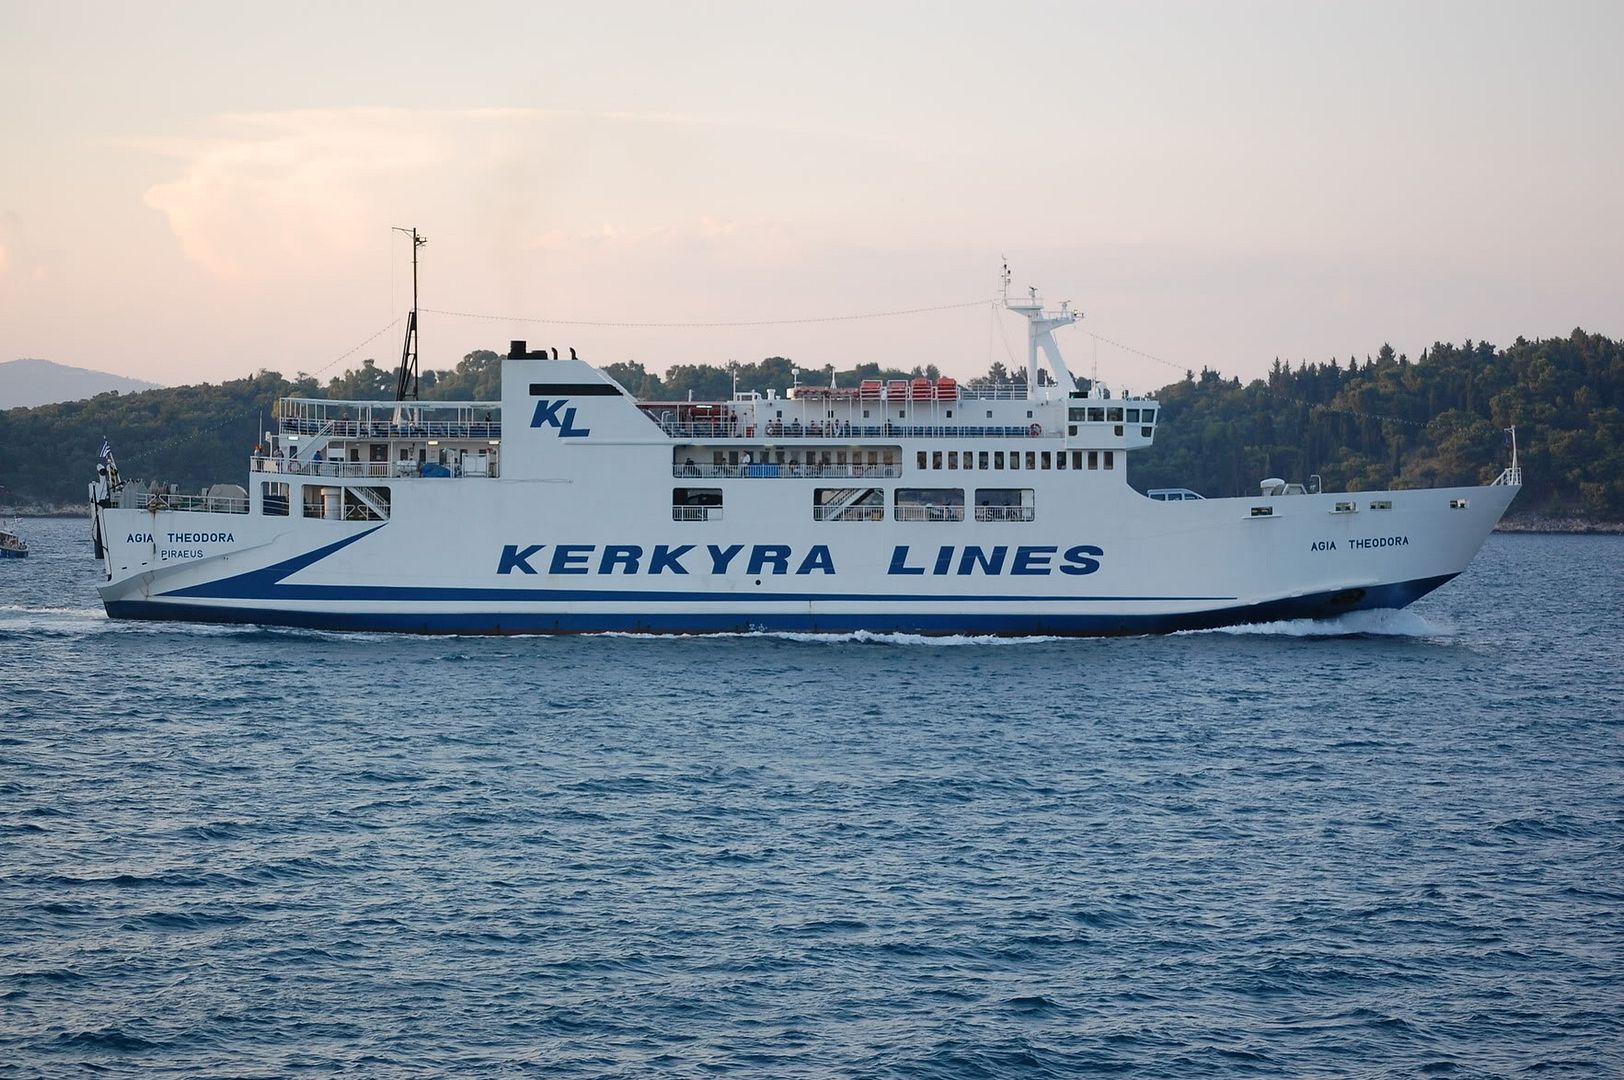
<point x="1040" y="328"/>
<point x="406" y="377"/>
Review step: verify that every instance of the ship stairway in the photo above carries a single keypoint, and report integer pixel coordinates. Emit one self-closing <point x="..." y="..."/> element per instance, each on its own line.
<point x="377" y="508"/>
<point x="835" y="508"/>
<point x="311" y="445"/>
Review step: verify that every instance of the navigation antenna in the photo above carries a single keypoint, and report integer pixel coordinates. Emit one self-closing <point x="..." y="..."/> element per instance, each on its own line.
<point x="406" y="377"/>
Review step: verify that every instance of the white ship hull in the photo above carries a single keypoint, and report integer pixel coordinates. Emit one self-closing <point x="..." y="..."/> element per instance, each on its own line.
<point x="437" y="566"/>
<point x="569" y="507"/>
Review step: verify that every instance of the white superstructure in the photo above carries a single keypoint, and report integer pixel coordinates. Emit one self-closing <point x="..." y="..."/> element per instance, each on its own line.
<point x="917" y="506"/>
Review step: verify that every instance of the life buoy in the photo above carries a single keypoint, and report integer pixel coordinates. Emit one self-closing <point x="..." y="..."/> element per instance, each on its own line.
<point x="1035" y="430"/>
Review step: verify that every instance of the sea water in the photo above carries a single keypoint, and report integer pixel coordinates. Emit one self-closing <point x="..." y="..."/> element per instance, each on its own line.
<point x="1391" y="845"/>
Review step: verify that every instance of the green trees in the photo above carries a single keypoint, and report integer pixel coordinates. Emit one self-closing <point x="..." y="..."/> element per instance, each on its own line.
<point x="1385" y="422"/>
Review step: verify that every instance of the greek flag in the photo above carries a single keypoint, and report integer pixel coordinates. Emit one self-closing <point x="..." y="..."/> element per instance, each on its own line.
<point x="106" y="450"/>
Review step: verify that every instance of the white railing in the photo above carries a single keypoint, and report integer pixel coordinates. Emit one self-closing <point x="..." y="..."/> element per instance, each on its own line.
<point x="848" y="513"/>
<point x="354" y="470"/>
<point x="1005" y="513"/>
<point x="836" y="472"/>
<point x="209" y="504"/>
<point x="696" y="513"/>
<point x="1511" y="477"/>
<point x="930" y="513"/>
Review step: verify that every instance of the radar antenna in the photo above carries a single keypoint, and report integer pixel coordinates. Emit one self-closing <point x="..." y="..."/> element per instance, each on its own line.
<point x="406" y="377"/>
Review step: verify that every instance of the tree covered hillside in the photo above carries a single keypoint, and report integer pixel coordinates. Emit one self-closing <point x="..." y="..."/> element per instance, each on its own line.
<point x="1386" y="421"/>
<point x="1392" y="422"/>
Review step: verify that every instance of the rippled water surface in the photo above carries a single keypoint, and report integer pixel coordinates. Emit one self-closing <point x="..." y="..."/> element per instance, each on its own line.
<point x="1392" y="846"/>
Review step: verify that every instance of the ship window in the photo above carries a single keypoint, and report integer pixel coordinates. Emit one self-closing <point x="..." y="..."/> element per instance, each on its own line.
<point x="1110" y="459"/>
<point x="1262" y="511"/>
<point x="1117" y="430"/>
<point x="1381" y="504"/>
<point x="1060" y="460"/>
<point x="950" y="414"/>
<point x="1457" y="504"/>
<point x="1029" y="414"/>
<point x="1148" y="416"/>
<point x="983" y="459"/>
<point x="930" y="504"/>
<point x="1031" y="459"/>
<point x="1145" y="431"/>
<point x="1113" y="416"/>
<point x="1072" y="430"/>
<point x="1077" y="459"/>
<point x="848" y="504"/>
<point x="1076" y="415"/>
<point x="936" y="460"/>
<point x="1096" y="415"/>
<point x="921" y="459"/>
<point x="366" y="503"/>
<point x="1004" y="504"/>
<point x="1046" y="459"/>
<point x="865" y="414"/>
<point x="952" y="459"/>
<point x="1133" y="416"/>
<point x="1093" y="459"/>
<point x="378" y="452"/>
<point x="998" y="459"/>
<point x="989" y="414"/>
<point x="1014" y="459"/>
<point x="696" y="504"/>
<point x="274" y="499"/>
<point x="323" y="502"/>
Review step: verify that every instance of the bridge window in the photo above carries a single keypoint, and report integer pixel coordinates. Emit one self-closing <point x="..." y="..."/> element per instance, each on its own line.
<point x="1031" y="459"/>
<point x="1110" y="459"/>
<point x="696" y="504"/>
<point x="1133" y="416"/>
<point x="1046" y="459"/>
<point x="998" y="459"/>
<point x="1113" y="416"/>
<point x="930" y="504"/>
<point x="1096" y="415"/>
<point x="1093" y="459"/>
<point x="936" y="460"/>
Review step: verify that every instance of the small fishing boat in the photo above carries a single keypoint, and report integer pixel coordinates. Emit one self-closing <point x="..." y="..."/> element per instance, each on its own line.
<point x="12" y="546"/>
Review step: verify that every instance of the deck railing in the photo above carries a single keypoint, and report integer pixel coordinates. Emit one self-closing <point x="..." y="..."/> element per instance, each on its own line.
<point x="834" y="472"/>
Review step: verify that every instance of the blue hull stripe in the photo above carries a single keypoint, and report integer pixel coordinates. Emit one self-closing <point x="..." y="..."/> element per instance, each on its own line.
<point x="880" y="620"/>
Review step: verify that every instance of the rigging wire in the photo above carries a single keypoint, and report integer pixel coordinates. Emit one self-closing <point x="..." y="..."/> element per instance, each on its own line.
<point x="626" y="324"/>
<point x="148" y="451"/>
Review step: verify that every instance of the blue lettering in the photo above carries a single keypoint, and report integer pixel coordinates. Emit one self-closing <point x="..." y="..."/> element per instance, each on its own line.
<point x="721" y="556"/>
<point x="664" y="558"/>
<point x="1032" y="560"/>
<point x="571" y="558"/>
<point x="514" y="559"/>
<point x="817" y="559"/>
<point x="624" y="555"/>
<point x="547" y="413"/>
<point x="899" y="561"/>
<point x="974" y="557"/>
<point x="569" y="430"/>
<point x="944" y="559"/>
<point x="762" y="554"/>
<point x="1078" y="560"/>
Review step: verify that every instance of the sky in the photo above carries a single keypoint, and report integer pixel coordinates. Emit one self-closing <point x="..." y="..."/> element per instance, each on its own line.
<point x="196" y="191"/>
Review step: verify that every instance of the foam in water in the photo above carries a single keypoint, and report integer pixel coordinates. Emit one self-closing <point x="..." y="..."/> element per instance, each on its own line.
<point x="1383" y="622"/>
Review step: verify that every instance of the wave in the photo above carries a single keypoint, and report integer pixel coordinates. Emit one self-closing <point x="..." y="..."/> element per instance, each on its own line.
<point x="1380" y="622"/>
<point x="857" y="637"/>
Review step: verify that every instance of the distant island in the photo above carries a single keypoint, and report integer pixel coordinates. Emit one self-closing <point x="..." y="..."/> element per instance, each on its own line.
<point x="26" y="383"/>
<point x="1383" y="421"/>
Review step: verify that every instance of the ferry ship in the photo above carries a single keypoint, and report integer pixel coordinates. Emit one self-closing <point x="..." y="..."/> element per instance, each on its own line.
<point x="920" y="506"/>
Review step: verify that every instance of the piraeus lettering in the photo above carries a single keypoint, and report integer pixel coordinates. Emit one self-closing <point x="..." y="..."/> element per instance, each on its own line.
<point x="1027" y="560"/>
